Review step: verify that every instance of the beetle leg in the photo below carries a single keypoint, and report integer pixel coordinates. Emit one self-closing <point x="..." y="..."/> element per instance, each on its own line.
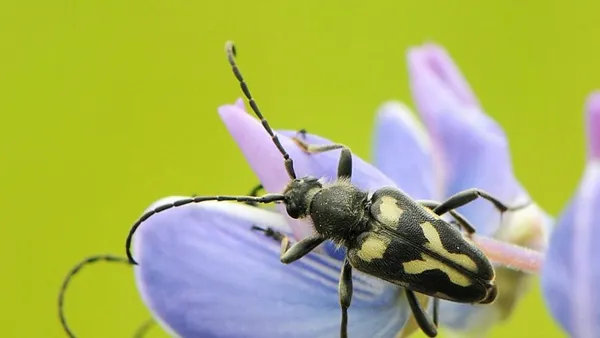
<point x="143" y="329"/>
<point x="299" y="249"/>
<point x="345" y="162"/>
<point x="255" y="190"/>
<point x="270" y="232"/>
<point x="436" y="308"/>
<point x="425" y="323"/>
<point x="345" y="293"/>
<point x="460" y="219"/>
<point x="314" y="148"/>
<point x="462" y="222"/>
<point x="456" y="224"/>
<point x="254" y="193"/>
<point x="467" y="196"/>
<point x="302" y="132"/>
<point x="290" y="253"/>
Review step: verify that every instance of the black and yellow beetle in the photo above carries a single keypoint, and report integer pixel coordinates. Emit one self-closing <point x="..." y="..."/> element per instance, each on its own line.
<point x="386" y="234"/>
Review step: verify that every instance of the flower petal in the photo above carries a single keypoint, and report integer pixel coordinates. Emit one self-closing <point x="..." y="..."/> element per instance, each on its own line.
<point x="364" y="174"/>
<point x="255" y="144"/>
<point x="204" y="273"/>
<point x="472" y="146"/>
<point x="435" y="68"/>
<point x="473" y="152"/>
<point x="593" y="125"/>
<point x="268" y="164"/>
<point x="571" y="273"/>
<point x="403" y="151"/>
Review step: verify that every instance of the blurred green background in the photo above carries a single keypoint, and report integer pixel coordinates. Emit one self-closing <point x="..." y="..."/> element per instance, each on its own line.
<point x="110" y="105"/>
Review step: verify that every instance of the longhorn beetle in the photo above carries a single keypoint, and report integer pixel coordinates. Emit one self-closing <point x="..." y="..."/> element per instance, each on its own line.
<point x="386" y="233"/>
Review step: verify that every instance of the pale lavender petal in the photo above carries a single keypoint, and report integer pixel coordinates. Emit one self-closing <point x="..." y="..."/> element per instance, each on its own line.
<point x="255" y="144"/>
<point x="593" y="125"/>
<point x="364" y="174"/>
<point x="571" y="273"/>
<point x="473" y="149"/>
<point x="556" y="277"/>
<point x="437" y="83"/>
<point x="204" y="273"/>
<point x="447" y="71"/>
<point x="403" y="151"/>
<point x="474" y="153"/>
<point x="268" y="164"/>
<point x="239" y="103"/>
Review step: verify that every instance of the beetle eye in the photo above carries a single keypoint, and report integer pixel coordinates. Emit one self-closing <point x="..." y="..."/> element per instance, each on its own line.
<point x="292" y="211"/>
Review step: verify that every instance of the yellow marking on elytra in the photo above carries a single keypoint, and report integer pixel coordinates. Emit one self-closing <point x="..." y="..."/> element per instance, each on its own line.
<point x="435" y="245"/>
<point x="373" y="248"/>
<point x="436" y="216"/>
<point x="389" y="210"/>
<point x="429" y="263"/>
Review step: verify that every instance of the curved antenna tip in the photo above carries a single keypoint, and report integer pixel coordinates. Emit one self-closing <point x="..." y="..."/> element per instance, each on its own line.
<point x="130" y="257"/>
<point x="230" y="47"/>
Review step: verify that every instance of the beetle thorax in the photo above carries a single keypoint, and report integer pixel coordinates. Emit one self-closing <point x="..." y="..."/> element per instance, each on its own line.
<point x="338" y="211"/>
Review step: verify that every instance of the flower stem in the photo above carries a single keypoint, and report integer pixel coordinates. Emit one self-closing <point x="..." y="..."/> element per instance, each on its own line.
<point x="509" y="255"/>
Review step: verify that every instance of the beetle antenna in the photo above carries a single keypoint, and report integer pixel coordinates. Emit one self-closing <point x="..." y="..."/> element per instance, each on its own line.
<point x="269" y="198"/>
<point x="231" y="53"/>
<point x="71" y="274"/>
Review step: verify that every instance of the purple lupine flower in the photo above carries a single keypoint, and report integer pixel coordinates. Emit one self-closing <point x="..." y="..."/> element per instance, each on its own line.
<point x="203" y="273"/>
<point x="571" y="271"/>
<point x="472" y="150"/>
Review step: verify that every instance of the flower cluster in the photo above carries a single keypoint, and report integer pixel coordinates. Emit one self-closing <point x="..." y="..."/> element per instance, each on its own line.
<point x="203" y="273"/>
